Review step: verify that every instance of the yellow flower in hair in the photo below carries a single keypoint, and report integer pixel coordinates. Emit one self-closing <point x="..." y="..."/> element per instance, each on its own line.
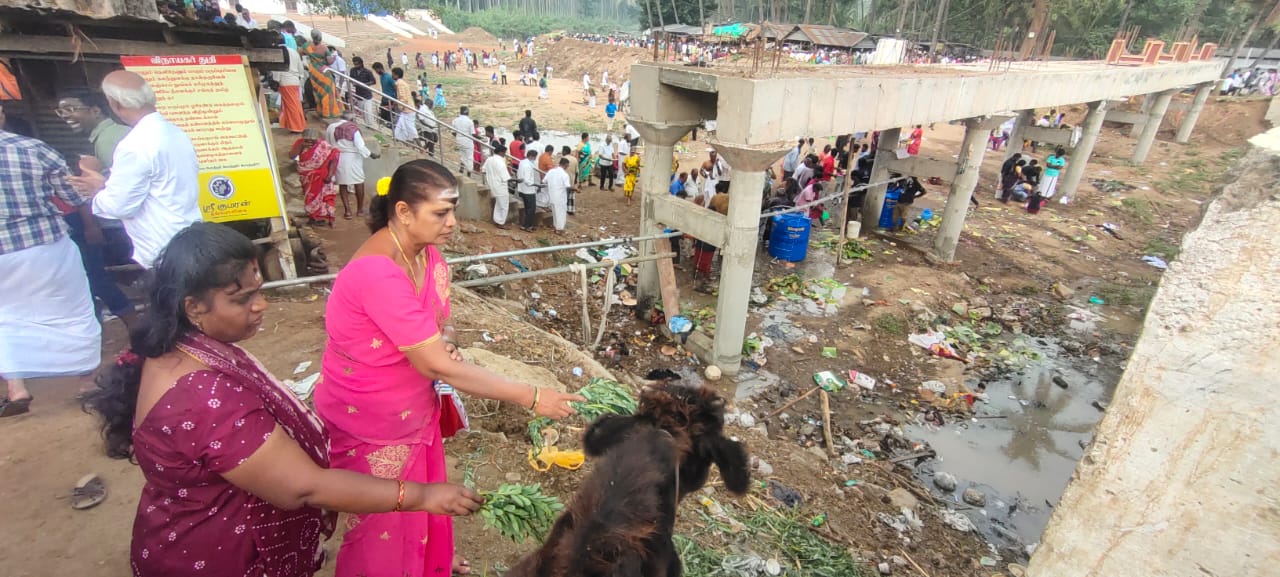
<point x="384" y="185"/>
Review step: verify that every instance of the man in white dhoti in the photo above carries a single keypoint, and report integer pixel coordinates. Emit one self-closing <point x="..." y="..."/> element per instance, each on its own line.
<point x="557" y="182"/>
<point x="345" y="136"/>
<point x="465" y="127"/>
<point x="47" y="323"/>
<point x="496" y="177"/>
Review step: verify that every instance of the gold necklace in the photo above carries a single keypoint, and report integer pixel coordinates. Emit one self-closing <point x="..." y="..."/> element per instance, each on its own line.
<point x="413" y="271"/>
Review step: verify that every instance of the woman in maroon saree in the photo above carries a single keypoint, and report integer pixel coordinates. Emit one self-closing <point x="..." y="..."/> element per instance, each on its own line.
<point x="236" y="467"/>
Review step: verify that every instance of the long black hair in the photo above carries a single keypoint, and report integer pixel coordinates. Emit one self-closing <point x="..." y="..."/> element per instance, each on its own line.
<point x="415" y="182"/>
<point x="200" y="258"/>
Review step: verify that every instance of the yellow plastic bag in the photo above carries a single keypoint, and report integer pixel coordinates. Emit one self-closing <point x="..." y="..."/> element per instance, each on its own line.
<point x="551" y="456"/>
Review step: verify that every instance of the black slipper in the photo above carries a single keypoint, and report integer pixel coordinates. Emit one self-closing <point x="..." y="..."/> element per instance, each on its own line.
<point x="14" y="408"/>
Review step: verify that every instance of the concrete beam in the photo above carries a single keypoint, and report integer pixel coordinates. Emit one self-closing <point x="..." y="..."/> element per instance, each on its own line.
<point x="1193" y="113"/>
<point x="962" y="187"/>
<point x="921" y="167"/>
<point x="1080" y="155"/>
<point x="1159" y="104"/>
<point x="1125" y="117"/>
<point x="873" y="201"/>
<point x="687" y="217"/>
<point x="792" y="103"/>
<point x="1056" y="136"/>
<point x="661" y="104"/>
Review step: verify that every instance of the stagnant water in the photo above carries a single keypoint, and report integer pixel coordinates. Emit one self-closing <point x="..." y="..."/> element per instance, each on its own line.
<point x="1023" y="459"/>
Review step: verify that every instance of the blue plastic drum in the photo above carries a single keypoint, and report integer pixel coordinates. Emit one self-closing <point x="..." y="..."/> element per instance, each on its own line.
<point x="790" y="237"/>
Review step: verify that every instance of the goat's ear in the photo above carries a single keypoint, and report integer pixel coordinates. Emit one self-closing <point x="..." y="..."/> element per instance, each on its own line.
<point x="735" y="466"/>
<point x="606" y="432"/>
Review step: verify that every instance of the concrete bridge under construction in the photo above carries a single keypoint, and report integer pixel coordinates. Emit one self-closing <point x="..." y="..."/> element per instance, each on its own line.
<point x="759" y="116"/>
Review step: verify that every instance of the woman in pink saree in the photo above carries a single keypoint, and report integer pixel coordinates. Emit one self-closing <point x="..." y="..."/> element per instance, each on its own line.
<point x="388" y="325"/>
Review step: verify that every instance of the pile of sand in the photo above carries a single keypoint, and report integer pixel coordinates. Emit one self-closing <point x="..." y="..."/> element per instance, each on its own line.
<point x="571" y="58"/>
<point x="476" y="35"/>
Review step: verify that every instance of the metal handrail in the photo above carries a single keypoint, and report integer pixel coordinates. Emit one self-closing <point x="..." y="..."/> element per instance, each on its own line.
<point x="439" y="123"/>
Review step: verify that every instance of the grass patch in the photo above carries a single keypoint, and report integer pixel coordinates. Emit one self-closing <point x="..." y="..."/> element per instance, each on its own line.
<point x="1139" y="209"/>
<point x="716" y="551"/>
<point x="1161" y="248"/>
<point x="890" y="323"/>
<point x="578" y="127"/>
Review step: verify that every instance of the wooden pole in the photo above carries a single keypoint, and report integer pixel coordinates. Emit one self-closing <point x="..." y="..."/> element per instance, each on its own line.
<point x="826" y="422"/>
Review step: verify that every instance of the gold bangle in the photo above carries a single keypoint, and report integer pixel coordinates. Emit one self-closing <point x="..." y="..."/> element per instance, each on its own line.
<point x="400" y="498"/>
<point x="537" y="394"/>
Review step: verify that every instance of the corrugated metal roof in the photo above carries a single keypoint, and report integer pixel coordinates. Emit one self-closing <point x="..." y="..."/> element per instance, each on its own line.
<point x="823" y="35"/>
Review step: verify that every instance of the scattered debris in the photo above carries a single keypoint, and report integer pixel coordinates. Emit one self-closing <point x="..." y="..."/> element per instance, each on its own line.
<point x="957" y="520"/>
<point x="974" y="497"/>
<point x="945" y="481"/>
<point x="1156" y="261"/>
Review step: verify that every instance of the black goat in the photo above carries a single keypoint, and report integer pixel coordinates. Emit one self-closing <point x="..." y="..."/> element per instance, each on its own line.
<point x="622" y="520"/>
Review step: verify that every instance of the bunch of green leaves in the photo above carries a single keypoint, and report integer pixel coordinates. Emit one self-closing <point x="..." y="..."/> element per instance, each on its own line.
<point x="604" y="397"/>
<point x="790" y="286"/>
<point x="751" y="344"/>
<point x="518" y="512"/>
<point x="855" y="250"/>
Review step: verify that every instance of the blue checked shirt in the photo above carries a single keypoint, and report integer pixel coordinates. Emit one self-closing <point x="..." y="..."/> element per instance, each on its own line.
<point x="31" y="174"/>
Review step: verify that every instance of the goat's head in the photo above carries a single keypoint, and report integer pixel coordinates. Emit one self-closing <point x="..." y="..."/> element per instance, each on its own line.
<point x="694" y="417"/>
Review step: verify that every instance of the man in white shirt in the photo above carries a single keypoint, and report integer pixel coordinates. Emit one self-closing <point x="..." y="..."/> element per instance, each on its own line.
<point x="558" y="182"/>
<point x="496" y="177"/>
<point x="804" y="173"/>
<point x="604" y="78"/>
<point x="527" y="172"/>
<point x="465" y="127"/>
<point x="502" y="72"/>
<point x="586" y="86"/>
<point x="153" y="189"/>
<point x="792" y="160"/>
<point x="607" y="162"/>
<point x="624" y="148"/>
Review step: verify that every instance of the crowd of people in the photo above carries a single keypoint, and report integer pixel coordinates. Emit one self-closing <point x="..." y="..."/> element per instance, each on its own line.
<point x="239" y="476"/>
<point x="141" y="180"/>
<point x="1255" y="80"/>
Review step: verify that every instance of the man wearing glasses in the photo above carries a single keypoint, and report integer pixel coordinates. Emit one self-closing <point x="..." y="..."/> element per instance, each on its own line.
<point x="87" y="113"/>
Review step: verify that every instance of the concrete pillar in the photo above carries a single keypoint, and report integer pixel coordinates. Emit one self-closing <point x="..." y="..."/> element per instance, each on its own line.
<point x="873" y="201"/>
<point x="738" y="256"/>
<point x="1180" y="479"/>
<point x="968" y="166"/>
<point x="1159" y="104"/>
<point x="1136" y="129"/>
<point x="1084" y="149"/>
<point x="1025" y="118"/>
<point x="1193" y="114"/>
<point x="655" y="179"/>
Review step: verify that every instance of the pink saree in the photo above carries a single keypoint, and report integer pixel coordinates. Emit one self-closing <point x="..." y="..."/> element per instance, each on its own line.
<point x="382" y="415"/>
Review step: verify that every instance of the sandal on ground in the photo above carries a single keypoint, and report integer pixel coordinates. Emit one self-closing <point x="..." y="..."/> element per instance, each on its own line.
<point x="14" y="408"/>
<point x="89" y="491"/>
<point x="461" y="566"/>
<point x="346" y="215"/>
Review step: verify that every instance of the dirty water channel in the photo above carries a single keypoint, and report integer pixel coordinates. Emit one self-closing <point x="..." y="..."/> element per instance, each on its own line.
<point x="1019" y="447"/>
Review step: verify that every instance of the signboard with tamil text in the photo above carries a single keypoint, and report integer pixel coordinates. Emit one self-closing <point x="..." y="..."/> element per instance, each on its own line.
<point x="210" y="98"/>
